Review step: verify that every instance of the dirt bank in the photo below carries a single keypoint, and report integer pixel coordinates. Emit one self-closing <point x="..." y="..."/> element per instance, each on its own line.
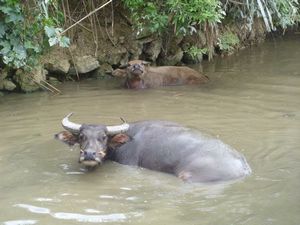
<point x="98" y="47"/>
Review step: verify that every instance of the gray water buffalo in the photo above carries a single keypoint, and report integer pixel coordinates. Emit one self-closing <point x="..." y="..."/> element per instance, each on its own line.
<point x="140" y="75"/>
<point x="157" y="145"/>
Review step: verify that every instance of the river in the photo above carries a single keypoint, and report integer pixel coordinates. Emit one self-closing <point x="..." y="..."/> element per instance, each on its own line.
<point x="251" y="103"/>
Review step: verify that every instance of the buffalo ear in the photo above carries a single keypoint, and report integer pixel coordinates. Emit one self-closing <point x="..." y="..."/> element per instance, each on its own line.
<point x="146" y="63"/>
<point x="124" y="66"/>
<point x="118" y="140"/>
<point x="119" y="73"/>
<point x="67" y="137"/>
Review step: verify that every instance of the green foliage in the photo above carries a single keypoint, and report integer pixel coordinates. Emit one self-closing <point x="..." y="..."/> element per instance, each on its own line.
<point x="287" y="12"/>
<point x="195" y="52"/>
<point x="228" y="41"/>
<point x="186" y="14"/>
<point x="183" y="15"/>
<point x="54" y="37"/>
<point x="147" y="15"/>
<point x="275" y="13"/>
<point x="12" y="49"/>
<point x="22" y="35"/>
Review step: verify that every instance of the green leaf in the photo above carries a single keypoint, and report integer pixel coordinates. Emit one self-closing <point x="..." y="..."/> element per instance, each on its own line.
<point x="6" y="47"/>
<point x="53" y="41"/>
<point x="20" y="52"/>
<point x="30" y="45"/>
<point x="7" y="59"/>
<point x="14" y="17"/>
<point x="64" y="42"/>
<point x="50" y="32"/>
<point x="5" y="9"/>
<point x="2" y="29"/>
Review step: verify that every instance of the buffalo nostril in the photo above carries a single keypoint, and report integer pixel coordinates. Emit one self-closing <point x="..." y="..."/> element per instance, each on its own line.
<point x="89" y="155"/>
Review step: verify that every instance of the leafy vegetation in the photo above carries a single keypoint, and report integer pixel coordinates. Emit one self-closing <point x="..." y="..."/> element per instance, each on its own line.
<point x="195" y="16"/>
<point x="183" y="15"/>
<point x="275" y="13"/>
<point x="228" y="41"/>
<point x="26" y="29"/>
<point x="195" y="52"/>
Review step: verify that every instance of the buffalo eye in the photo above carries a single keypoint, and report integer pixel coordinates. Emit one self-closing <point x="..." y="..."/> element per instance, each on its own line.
<point x="80" y="136"/>
<point x="102" y="138"/>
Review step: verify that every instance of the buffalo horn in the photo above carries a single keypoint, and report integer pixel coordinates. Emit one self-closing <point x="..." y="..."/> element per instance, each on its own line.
<point x="118" y="129"/>
<point x="70" y="126"/>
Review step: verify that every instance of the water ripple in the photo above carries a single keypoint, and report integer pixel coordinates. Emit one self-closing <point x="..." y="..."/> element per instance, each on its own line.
<point x="116" y="217"/>
<point x="34" y="209"/>
<point x="20" y="222"/>
<point x="104" y="218"/>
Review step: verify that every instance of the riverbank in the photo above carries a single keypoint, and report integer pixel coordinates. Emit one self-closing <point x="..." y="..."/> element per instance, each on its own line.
<point x="95" y="53"/>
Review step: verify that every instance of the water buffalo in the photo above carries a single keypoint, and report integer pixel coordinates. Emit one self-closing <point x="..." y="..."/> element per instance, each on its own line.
<point x="140" y="75"/>
<point x="157" y="145"/>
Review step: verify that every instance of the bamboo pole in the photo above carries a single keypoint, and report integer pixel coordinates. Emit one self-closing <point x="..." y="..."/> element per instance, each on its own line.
<point x="91" y="13"/>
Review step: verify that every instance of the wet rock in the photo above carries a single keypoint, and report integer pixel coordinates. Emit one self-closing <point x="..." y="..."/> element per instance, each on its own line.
<point x="189" y="59"/>
<point x="171" y="53"/>
<point x="142" y="34"/>
<point x="103" y="71"/>
<point x="85" y="64"/>
<point x="3" y="74"/>
<point x="30" y="81"/>
<point x="152" y="49"/>
<point x="60" y="66"/>
<point x="134" y="49"/>
<point x="53" y="81"/>
<point x="172" y="59"/>
<point x="115" y="56"/>
<point x="7" y="85"/>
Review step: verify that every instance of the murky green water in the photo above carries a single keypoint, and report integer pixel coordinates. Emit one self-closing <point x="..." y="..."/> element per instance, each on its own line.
<point x="251" y="103"/>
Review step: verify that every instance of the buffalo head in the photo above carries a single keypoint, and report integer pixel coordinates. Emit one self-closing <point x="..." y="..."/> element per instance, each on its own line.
<point x="135" y="68"/>
<point x="93" y="140"/>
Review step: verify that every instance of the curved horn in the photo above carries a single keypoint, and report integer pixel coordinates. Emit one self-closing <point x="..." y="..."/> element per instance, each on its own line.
<point x="118" y="129"/>
<point x="70" y="126"/>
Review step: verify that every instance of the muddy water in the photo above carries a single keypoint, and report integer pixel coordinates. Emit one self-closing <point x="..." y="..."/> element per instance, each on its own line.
<point x="251" y="103"/>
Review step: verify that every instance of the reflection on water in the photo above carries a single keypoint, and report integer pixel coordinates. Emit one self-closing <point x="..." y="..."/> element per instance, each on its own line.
<point x="251" y="103"/>
<point x="117" y="217"/>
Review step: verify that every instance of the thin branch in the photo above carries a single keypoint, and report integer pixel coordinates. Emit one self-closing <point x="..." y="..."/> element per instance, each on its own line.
<point x="91" y="13"/>
<point x="51" y="86"/>
<point x="89" y="30"/>
<point x="95" y="33"/>
<point x="108" y="35"/>
<point x="235" y="2"/>
<point x="100" y="27"/>
<point x="112" y="20"/>
<point x="77" y="74"/>
<point x="46" y="85"/>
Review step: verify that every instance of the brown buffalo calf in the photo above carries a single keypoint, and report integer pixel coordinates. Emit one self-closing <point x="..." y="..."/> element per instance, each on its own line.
<point x="140" y="75"/>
